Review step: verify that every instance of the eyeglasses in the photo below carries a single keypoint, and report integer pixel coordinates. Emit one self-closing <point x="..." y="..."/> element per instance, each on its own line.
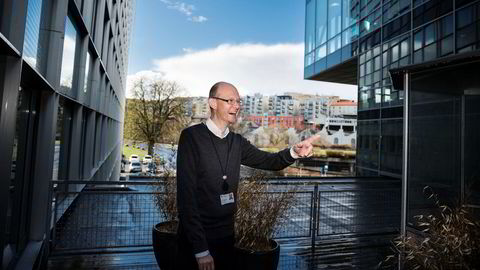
<point x="230" y="101"/>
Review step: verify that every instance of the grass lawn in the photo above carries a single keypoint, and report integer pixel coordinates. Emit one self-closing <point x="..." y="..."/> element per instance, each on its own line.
<point x="128" y="151"/>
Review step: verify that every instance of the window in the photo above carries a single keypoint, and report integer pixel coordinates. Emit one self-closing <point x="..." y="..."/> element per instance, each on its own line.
<point x="431" y="10"/>
<point x="392" y="146"/>
<point x="434" y="40"/>
<point x="32" y="48"/>
<point x="87" y="73"/>
<point x="310" y="28"/>
<point x="368" y="139"/>
<point x="334" y="17"/>
<point x="68" y="58"/>
<point x="22" y="169"/>
<point x="62" y="140"/>
<point x="468" y="28"/>
<point x="321" y="22"/>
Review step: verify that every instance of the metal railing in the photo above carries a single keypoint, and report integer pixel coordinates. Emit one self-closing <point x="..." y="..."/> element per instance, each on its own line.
<point x="120" y="215"/>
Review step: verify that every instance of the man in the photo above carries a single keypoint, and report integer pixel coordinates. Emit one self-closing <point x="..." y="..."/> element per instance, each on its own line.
<point x="208" y="171"/>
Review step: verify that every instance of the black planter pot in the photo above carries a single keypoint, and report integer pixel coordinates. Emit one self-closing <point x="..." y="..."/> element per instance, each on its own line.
<point x="165" y="244"/>
<point x="261" y="260"/>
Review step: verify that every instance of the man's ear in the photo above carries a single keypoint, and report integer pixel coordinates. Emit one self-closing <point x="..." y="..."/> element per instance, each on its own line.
<point x="212" y="103"/>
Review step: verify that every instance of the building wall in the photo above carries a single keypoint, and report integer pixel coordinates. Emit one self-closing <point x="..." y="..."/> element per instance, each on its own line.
<point x="273" y="121"/>
<point x="379" y="35"/>
<point x="63" y="68"/>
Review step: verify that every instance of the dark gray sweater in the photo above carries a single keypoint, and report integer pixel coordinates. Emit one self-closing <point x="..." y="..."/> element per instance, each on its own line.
<point x="199" y="181"/>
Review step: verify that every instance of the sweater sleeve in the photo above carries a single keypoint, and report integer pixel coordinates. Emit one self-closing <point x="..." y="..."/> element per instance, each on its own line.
<point x="258" y="159"/>
<point x="186" y="193"/>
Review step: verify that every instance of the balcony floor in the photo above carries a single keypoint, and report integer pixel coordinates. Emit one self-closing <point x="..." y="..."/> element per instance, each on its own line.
<point x="334" y="253"/>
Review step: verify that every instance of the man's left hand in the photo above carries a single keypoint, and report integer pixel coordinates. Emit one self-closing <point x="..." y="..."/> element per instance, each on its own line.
<point x="304" y="148"/>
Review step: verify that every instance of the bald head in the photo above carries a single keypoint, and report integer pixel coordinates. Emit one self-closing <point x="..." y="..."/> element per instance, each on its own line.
<point x="219" y="85"/>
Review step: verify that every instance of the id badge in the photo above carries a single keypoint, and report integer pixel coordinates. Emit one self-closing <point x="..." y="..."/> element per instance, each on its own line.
<point x="227" y="198"/>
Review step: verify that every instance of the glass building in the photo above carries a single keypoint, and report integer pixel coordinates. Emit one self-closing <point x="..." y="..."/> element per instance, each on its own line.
<point x="62" y="98"/>
<point x="416" y="64"/>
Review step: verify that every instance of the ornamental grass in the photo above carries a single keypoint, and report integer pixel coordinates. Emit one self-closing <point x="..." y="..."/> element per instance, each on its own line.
<point x="165" y="196"/>
<point x="259" y="211"/>
<point x="450" y="240"/>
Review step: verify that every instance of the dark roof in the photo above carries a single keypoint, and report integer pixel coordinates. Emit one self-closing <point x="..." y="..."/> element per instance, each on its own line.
<point x="396" y="74"/>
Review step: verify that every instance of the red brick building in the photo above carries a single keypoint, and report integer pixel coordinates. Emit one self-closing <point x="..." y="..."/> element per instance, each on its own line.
<point x="272" y="121"/>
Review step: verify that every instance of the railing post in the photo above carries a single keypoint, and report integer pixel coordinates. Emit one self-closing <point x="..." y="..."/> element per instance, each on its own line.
<point x="314" y="216"/>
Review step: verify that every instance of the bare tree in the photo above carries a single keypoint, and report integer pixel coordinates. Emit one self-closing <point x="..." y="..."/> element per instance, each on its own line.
<point x="153" y="111"/>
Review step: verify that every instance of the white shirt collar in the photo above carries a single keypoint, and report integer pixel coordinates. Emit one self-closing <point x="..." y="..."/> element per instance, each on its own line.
<point x="215" y="130"/>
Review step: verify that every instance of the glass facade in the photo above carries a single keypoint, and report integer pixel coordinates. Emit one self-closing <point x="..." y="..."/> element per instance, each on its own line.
<point x="41" y="146"/>
<point x="62" y="140"/>
<point x="87" y="74"/>
<point x="32" y="48"/>
<point x="329" y="32"/>
<point x="383" y="35"/>
<point x="68" y="58"/>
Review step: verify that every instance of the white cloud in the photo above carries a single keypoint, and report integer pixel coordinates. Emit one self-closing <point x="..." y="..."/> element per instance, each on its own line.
<point x="145" y="73"/>
<point x="199" y="19"/>
<point x="184" y="8"/>
<point x="187" y="50"/>
<point x="252" y="68"/>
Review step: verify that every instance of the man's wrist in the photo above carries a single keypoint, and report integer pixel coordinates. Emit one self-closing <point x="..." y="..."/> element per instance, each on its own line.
<point x="202" y="254"/>
<point x="293" y="153"/>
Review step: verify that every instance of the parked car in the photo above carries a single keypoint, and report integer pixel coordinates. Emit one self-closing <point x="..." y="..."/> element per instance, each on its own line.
<point x="147" y="159"/>
<point x="135" y="167"/>
<point x="151" y="167"/>
<point x="134" y="158"/>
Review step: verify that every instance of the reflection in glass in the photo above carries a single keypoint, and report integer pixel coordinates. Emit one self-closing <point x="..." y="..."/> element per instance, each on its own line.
<point x="309" y="59"/>
<point x="334" y="44"/>
<point x="32" y="49"/>
<point x="20" y="190"/>
<point x="430" y="34"/>
<point x="310" y="28"/>
<point x="62" y="140"/>
<point x="321" y="52"/>
<point x="346" y="10"/>
<point x="87" y="73"/>
<point x="68" y="58"/>
<point x="391" y="146"/>
<point x="321" y="22"/>
<point x="347" y="37"/>
<point x="334" y="17"/>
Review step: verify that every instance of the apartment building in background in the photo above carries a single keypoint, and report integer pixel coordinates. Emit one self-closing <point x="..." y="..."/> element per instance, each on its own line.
<point x="63" y="74"/>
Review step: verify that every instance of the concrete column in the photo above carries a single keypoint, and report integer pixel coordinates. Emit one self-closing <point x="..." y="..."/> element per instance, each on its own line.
<point x="52" y="33"/>
<point x="44" y="154"/>
<point x="95" y="83"/>
<point x="98" y="35"/>
<point x="79" y="70"/>
<point x="87" y="13"/>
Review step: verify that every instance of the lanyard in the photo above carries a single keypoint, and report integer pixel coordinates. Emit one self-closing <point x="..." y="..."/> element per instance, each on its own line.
<point x="224" y="170"/>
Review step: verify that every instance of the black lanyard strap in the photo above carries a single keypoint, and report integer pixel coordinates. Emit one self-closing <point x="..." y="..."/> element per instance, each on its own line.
<point x="224" y="170"/>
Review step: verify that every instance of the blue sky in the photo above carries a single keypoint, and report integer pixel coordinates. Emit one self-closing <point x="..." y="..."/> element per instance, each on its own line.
<point x="255" y="44"/>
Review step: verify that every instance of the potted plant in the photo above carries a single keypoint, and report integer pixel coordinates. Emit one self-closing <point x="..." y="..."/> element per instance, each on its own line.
<point x="164" y="234"/>
<point x="449" y="240"/>
<point x="258" y="213"/>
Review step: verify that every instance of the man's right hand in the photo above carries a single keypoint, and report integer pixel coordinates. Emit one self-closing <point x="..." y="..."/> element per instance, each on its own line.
<point x="205" y="263"/>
